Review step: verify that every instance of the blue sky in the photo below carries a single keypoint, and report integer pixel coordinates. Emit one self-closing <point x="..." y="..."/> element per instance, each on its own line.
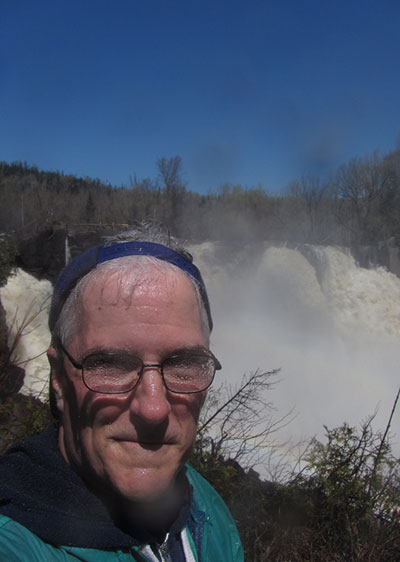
<point x="254" y="92"/>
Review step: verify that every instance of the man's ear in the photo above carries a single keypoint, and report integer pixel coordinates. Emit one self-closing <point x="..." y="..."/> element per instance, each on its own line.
<point x="56" y="390"/>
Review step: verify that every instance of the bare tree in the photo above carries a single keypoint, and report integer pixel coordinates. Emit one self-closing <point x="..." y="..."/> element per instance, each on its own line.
<point x="170" y="173"/>
<point x="239" y="422"/>
<point x="311" y="196"/>
<point x="364" y="193"/>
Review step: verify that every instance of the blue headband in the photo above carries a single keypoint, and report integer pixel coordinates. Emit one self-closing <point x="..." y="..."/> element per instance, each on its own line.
<point x="81" y="265"/>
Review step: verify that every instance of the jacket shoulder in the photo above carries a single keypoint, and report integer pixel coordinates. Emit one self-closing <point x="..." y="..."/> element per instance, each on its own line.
<point x="206" y="498"/>
<point x="221" y="538"/>
<point x="18" y="544"/>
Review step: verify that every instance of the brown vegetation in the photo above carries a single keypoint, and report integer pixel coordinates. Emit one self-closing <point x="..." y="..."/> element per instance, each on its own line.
<point x="359" y="204"/>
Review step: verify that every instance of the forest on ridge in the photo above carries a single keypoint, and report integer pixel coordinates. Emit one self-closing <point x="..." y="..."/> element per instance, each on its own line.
<point x="358" y="205"/>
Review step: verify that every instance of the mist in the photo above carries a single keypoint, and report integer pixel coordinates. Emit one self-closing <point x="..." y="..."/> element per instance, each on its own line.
<point x="331" y="327"/>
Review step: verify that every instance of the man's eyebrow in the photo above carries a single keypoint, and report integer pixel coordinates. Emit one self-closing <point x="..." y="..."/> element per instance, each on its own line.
<point x="102" y="350"/>
<point x="186" y="350"/>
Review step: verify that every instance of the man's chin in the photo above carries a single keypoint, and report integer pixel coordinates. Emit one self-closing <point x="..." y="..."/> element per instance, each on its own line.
<point x="144" y="486"/>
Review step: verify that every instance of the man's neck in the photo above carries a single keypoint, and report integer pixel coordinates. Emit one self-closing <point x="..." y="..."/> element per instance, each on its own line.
<point x="153" y="518"/>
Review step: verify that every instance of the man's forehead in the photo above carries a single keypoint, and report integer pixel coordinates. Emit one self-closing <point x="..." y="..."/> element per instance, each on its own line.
<point x="124" y="284"/>
<point x="163" y="308"/>
<point x="75" y="274"/>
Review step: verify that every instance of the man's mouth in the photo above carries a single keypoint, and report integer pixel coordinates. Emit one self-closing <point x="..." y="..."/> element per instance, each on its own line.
<point x="145" y="442"/>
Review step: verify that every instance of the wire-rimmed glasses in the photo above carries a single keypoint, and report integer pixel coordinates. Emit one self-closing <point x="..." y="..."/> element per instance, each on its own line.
<point x="183" y="372"/>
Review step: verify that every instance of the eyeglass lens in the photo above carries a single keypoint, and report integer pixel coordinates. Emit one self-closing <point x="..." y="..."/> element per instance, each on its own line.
<point x="119" y="373"/>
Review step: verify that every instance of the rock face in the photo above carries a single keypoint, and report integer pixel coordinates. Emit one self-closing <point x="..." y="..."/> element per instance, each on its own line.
<point x="3" y="331"/>
<point x="11" y="376"/>
<point x="45" y="255"/>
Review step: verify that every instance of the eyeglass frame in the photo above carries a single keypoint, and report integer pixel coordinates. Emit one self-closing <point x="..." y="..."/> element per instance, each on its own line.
<point x="159" y="366"/>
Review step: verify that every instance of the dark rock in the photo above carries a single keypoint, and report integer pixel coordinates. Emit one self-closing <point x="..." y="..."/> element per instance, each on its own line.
<point x="44" y="255"/>
<point x="11" y="376"/>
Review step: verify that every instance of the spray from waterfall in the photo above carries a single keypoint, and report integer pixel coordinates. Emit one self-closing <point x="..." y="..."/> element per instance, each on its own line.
<point x="331" y="327"/>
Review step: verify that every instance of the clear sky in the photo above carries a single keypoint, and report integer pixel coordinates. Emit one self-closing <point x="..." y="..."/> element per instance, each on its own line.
<point x="254" y="92"/>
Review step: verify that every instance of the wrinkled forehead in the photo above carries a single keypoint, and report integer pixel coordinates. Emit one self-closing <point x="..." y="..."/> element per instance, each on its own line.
<point x="118" y="284"/>
<point x="114" y="303"/>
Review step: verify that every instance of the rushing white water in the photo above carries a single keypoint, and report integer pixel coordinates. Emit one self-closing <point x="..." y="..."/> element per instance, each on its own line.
<point x="67" y="251"/>
<point x="332" y="328"/>
<point x="26" y="301"/>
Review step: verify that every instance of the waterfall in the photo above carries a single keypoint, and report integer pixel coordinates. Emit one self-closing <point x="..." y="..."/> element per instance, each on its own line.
<point x="67" y="251"/>
<point x="332" y="328"/>
<point x="26" y="302"/>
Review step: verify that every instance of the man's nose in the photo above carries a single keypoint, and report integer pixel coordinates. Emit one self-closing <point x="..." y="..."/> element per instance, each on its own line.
<point x="150" y="397"/>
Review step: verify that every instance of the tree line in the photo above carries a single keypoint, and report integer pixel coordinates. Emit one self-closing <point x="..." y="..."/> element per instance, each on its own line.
<point x="358" y="205"/>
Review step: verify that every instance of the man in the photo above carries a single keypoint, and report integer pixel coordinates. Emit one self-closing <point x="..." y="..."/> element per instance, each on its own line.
<point x="130" y="363"/>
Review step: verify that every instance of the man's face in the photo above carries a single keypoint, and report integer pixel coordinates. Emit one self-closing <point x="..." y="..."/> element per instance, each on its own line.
<point x="133" y="443"/>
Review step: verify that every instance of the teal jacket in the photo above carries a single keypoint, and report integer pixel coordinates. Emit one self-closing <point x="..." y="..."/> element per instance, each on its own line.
<point x="220" y="542"/>
<point x="38" y="489"/>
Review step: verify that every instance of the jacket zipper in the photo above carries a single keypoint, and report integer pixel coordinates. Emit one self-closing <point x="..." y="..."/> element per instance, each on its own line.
<point x="161" y="549"/>
<point x="164" y="552"/>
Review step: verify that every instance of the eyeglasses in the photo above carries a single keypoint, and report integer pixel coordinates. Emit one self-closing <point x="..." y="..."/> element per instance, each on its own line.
<point x="184" y="372"/>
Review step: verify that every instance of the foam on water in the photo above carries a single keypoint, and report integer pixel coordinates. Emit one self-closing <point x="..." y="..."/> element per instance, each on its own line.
<point x="26" y="301"/>
<point x="333" y="330"/>
<point x="364" y="300"/>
